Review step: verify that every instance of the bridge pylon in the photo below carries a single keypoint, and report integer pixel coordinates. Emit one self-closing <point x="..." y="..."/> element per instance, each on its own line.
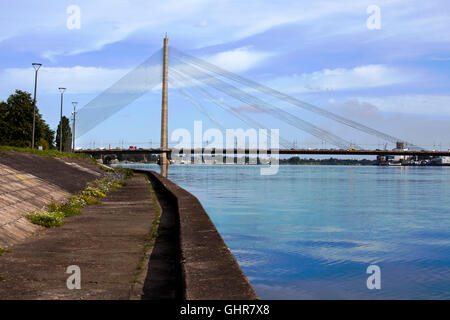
<point x="164" y="111"/>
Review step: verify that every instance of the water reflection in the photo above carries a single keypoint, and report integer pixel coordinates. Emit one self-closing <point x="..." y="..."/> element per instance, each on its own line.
<point x="311" y="231"/>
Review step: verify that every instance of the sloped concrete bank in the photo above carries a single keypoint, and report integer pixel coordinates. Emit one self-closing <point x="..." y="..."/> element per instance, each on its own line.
<point x="207" y="268"/>
<point x="69" y="174"/>
<point x="29" y="182"/>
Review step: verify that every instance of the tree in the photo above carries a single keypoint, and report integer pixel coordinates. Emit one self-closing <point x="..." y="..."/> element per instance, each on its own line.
<point x="66" y="135"/>
<point x="16" y="122"/>
<point x="4" y="128"/>
<point x="48" y="136"/>
<point x="18" y="118"/>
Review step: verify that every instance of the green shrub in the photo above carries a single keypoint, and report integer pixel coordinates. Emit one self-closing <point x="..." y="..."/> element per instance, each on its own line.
<point x="125" y="172"/>
<point x="53" y="206"/>
<point x="72" y="206"/>
<point x="92" y="191"/>
<point x="46" y="219"/>
<point x="70" y="210"/>
<point x="90" y="200"/>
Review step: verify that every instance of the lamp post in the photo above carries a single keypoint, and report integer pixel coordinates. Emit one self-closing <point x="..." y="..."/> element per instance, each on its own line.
<point x="73" y="124"/>
<point x="36" y="67"/>
<point x="60" y="121"/>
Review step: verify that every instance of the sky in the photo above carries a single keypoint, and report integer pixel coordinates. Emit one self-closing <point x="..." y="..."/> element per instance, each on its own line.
<point x="385" y="64"/>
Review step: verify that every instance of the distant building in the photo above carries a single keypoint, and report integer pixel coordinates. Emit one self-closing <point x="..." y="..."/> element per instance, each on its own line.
<point x="400" y="145"/>
<point x="408" y="160"/>
<point x="440" y="161"/>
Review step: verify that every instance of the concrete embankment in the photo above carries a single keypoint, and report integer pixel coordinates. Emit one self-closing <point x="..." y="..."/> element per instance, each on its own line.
<point x="135" y="244"/>
<point x="28" y="182"/>
<point x="106" y="242"/>
<point x="207" y="268"/>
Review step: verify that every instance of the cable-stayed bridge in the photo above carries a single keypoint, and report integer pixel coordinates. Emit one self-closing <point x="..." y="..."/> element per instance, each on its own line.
<point x="199" y="81"/>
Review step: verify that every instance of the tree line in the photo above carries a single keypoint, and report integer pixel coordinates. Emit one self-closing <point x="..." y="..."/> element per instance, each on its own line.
<point x="330" y="161"/>
<point x="16" y="125"/>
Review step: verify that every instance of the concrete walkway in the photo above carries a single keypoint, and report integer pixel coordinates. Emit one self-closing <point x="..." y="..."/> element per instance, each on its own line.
<point x="106" y="242"/>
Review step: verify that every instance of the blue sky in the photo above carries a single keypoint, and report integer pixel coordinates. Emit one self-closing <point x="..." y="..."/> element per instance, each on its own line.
<point x="395" y="78"/>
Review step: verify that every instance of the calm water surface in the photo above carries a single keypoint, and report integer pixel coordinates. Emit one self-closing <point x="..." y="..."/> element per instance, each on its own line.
<point x="310" y="232"/>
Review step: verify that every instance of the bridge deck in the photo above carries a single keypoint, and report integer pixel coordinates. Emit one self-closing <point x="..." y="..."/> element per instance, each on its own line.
<point x="280" y="151"/>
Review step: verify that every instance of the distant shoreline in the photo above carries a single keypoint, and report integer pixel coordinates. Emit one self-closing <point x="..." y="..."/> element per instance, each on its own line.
<point x="349" y="163"/>
<point x="290" y="161"/>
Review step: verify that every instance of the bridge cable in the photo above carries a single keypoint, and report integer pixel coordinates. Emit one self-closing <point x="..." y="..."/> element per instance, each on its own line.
<point x="247" y="120"/>
<point x="303" y="125"/>
<point x="194" y="102"/>
<point x="291" y="100"/>
<point x="130" y="87"/>
<point x="259" y="104"/>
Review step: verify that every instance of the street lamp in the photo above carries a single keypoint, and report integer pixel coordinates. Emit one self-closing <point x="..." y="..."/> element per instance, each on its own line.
<point x="73" y="125"/>
<point x="60" y="121"/>
<point x="36" y="67"/>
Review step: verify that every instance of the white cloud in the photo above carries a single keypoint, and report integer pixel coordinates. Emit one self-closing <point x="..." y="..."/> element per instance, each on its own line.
<point x="421" y="119"/>
<point x="80" y="79"/>
<point x="239" y="59"/>
<point x="77" y="79"/>
<point x="426" y="104"/>
<point x="104" y="22"/>
<point x="353" y="108"/>
<point x="366" y="76"/>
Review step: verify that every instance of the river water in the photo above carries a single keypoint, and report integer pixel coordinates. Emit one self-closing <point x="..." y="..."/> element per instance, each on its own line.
<point x="311" y="232"/>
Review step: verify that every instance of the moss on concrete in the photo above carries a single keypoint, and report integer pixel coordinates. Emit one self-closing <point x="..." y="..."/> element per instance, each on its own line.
<point x="150" y="239"/>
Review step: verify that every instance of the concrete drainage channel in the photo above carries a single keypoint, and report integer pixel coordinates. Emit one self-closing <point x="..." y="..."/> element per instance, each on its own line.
<point x="163" y="279"/>
<point x="190" y="260"/>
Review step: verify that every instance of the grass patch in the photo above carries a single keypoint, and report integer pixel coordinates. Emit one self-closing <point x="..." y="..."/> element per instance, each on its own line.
<point x="151" y="236"/>
<point x="48" y="153"/>
<point x="124" y="172"/>
<point x="46" y="219"/>
<point x="2" y="251"/>
<point x="57" y="211"/>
